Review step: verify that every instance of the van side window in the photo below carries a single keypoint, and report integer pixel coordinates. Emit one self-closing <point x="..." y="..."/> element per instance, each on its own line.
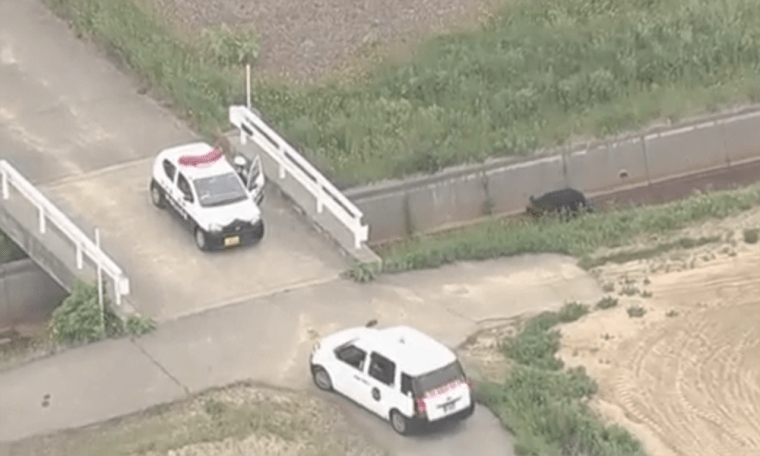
<point x="406" y="384"/>
<point x="382" y="369"/>
<point x="353" y="356"/>
<point x="169" y="169"/>
<point x="184" y="186"/>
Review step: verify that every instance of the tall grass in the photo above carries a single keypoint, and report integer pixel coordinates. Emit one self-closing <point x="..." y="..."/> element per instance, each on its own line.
<point x="543" y="405"/>
<point x="577" y="237"/>
<point x="540" y="73"/>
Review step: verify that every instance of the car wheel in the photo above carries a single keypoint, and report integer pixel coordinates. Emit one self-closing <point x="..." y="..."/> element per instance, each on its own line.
<point x="156" y="195"/>
<point x="399" y="423"/>
<point x="260" y="232"/>
<point x="200" y="239"/>
<point x="322" y="378"/>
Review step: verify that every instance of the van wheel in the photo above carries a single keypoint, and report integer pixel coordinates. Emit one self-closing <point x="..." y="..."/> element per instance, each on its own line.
<point x="200" y="239"/>
<point x="156" y="195"/>
<point x="399" y="422"/>
<point x="322" y="378"/>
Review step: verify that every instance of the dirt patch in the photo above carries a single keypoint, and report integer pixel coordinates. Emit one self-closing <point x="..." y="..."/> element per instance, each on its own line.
<point x="304" y="40"/>
<point x="240" y="420"/>
<point x="684" y="377"/>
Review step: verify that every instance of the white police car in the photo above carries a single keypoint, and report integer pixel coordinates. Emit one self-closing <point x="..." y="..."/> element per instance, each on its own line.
<point x="218" y="202"/>
<point x="399" y="373"/>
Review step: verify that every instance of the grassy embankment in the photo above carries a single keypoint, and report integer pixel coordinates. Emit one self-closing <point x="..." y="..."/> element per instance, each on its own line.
<point x="539" y="74"/>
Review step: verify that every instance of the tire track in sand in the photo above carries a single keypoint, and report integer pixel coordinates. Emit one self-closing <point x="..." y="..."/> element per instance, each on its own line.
<point x="695" y="380"/>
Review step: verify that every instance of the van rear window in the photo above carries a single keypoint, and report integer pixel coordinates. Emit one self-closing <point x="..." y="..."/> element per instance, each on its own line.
<point x="426" y="383"/>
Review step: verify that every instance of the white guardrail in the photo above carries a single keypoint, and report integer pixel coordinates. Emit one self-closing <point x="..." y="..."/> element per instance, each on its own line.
<point x="48" y="211"/>
<point x="291" y="162"/>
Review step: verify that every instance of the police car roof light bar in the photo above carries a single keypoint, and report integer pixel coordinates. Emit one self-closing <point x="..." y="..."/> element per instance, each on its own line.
<point x="197" y="160"/>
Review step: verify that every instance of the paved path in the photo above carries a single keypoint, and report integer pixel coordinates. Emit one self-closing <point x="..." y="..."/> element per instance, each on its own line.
<point x="77" y="127"/>
<point x="269" y="339"/>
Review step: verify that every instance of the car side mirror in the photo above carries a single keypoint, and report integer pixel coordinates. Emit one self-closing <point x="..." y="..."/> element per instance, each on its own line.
<point x="188" y="198"/>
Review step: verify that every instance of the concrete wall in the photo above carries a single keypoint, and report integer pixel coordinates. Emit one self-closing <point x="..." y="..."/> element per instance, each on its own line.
<point x="459" y="195"/>
<point x="27" y="294"/>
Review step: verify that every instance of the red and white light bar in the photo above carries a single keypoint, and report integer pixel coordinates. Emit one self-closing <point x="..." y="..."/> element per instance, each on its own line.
<point x="201" y="160"/>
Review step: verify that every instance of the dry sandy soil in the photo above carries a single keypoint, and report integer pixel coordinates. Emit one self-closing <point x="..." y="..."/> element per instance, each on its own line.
<point x="239" y="420"/>
<point x="685" y="377"/>
<point x="307" y="39"/>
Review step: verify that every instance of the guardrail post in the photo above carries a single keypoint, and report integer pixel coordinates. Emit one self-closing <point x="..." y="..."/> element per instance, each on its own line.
<point x="79" y="255"/>
<point x="5" y="185"/>
<point x="243" y="138"/>
<point x="320" y="199"/>
<point x="41" y="211"/>
<point x="282" y="171"/>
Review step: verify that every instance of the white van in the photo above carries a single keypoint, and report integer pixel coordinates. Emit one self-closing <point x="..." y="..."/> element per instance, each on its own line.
<point x="399" y="373"/>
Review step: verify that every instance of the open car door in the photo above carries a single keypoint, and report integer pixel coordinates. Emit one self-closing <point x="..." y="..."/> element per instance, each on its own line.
<point x="256" y="180"/>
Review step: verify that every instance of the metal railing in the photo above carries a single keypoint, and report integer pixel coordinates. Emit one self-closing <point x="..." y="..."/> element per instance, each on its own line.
<point x="48" y="212"/>
<point x="291" y="162"/>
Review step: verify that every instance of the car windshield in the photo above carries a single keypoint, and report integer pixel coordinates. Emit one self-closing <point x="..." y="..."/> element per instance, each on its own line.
<point x="437" y="378"/>
<point x="219" y="190"/>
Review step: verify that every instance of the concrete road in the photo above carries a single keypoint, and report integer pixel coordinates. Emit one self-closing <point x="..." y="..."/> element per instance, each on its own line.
<point x="77" y="127"/>
<point x="269" y="340"/>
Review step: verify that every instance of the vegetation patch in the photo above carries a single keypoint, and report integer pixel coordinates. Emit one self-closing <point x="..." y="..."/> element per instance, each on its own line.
<point x="544" y="405"/>
<point x="236" y="419"/>
<point x="606" y="302"/>
<point x="80" y="319"/>
<point x="579" y="237"/>
<point x="650" y="252"/>
<point x="751" y="235"/>
<point x="539" y="73"/>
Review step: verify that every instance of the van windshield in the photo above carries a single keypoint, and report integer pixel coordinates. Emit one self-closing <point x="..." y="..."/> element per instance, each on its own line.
<point x="438" y="378"/>
<point x="219" y="190"/>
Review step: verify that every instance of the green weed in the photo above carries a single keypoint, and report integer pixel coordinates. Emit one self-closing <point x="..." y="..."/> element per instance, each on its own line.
<point x="572" y="311"/>
<point x="751" y="235"/>
<point x="606" y="302"/>
<point x="538" y="74"/>
<point x="636" y="311"/>
<point x="544" y="406"/>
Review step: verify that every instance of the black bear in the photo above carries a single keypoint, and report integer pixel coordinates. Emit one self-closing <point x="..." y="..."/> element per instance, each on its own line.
<point x="565" y="202"/>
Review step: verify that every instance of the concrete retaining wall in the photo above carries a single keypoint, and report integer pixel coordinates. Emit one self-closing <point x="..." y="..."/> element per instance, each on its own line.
<point x="27" y="294"/>
<point x="460" y="195"/>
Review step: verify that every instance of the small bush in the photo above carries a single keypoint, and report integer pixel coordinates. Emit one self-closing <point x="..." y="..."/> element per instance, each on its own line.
<point x="363" y="272"/>
<point x="646" y="294"/>
<point x="607" y="302"/>
<point x="629" y="291"/>
<point x="139" y="325"/>
<point x="78" y="319"/>
<point x="671" y="313"/>
<point x="608" y="287"/>
<point x="636" y="311"/>
<point x="215" y="408"/>
<point x="572" y="311"/>
<point x="751" y="235"/>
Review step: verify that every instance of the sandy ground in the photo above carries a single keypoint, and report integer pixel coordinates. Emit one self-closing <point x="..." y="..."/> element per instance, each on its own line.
<point x="685" y="377"/>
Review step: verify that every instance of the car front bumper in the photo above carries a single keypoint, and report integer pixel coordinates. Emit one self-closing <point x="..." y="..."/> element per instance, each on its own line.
<point x="246" y="234"/>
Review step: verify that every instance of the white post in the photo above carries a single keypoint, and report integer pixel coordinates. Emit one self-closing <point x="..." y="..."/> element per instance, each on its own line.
<point x="5" y="185"/>
<point x="79" y="255"/>
<point x="41" y="210"/>
<point x="100" y="281"/>
<point x="248" y="84"/>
